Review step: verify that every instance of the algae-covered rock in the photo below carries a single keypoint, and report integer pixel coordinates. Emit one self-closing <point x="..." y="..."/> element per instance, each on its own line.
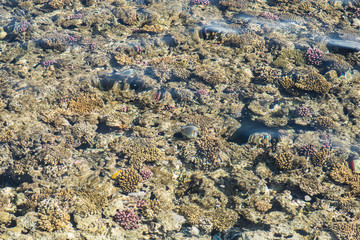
<point x="170" y="221"/>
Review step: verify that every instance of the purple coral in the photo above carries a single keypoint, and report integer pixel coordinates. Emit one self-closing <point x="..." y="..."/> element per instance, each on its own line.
<point x="48" y="63"/>
<point x="200" y="2"/>
<point x="307" y="150"/>
<point x="269" y="16"/>
<point x="22" y="26"/>
<point x="127" y="219"/>
<point x="201" y="92"/>
<point x="303" y="112"/>
<point x="314" y="56"/>
<point x="141" y="203"/>
<point x="145" y="174"/>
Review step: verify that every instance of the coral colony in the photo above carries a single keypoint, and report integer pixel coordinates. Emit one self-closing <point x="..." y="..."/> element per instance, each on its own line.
<point x="269" y="16"/>
<point x="307" y="150"/>
<point x="200" y="2"/>
<point x="145" y="174"/>
<point x="22" y="26"/>
<point x="303" y="112"/>
<point x="314" y="56"/>
<point x="127" y="219"/>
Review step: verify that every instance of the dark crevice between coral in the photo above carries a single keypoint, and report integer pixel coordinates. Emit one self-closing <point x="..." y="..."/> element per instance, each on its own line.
<point x="104" y="129"/>
<point x="83" y="146"/>
<point x="248" y="127"/>
<point x="9" y="180"/>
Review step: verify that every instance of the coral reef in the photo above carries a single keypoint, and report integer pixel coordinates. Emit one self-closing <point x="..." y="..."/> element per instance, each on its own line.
<point x="341" y="173"/>
<point x="127" y="179"/>
<point x="313" y="82"/>
<point x="325" y="123"/>
<point x="139" y="152"/>
<point x="127" y="219"/>
<point x="284" y="161"/>
<point x="224" y="219"/>
<point x="190" y="119"/>
<point x="52" y="216"/>
<point x="319" y="158"/>
<point x="313" y="56"/>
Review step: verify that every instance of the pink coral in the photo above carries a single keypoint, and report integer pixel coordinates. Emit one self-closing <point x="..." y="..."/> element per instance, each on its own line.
<point x="145" y="174"/>
<point x="314" y="56"/>
<point x="269" y="16"/>
<point x="127" y="219"/>
<point x="307" y="150"/>
<point x="303" y="112"/>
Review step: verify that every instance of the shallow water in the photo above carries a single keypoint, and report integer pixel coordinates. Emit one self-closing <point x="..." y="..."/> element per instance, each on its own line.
<point x="221" y="119"/>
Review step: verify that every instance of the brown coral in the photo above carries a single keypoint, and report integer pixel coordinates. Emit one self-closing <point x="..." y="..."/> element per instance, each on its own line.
<point x="90" y="202"/>
<point x="224" y="218"/>
<point x="310" y="185"/>
<point x="287" y="83"/>
<point x="52" y="216"/>
<point x="123" y="59"/>
<point x="58" y="4"/>
<point x="141" y="151"/>
<point x="319" y="158"/>
<point x="341" y="173"/>
<point x="263" y="206"/>
<point x="313" y="82"/>
<point x="346" y="230"/>
<point x="128" y="179"/>
<point x="284" y="161"/>
<point x="212" y="74"/>
<point x="191" y="212"/>
<point x="209" y="152"/>
<point x="85" y="104"/>
<point x="325" y="123"/>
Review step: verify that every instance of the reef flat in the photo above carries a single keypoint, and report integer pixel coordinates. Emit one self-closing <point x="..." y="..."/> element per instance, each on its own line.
<point x="191" y="119"/>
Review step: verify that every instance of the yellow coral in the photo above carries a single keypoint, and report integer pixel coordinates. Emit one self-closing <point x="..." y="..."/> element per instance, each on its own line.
<point x="128" y="179"/>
